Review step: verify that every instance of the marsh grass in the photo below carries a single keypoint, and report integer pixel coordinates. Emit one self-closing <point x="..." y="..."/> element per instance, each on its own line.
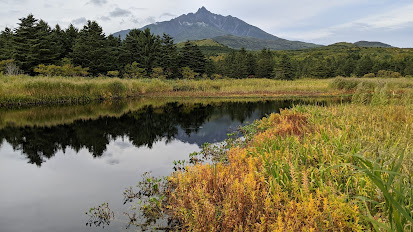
<point x="344" y="167"/>
<point x="19" y="90"/>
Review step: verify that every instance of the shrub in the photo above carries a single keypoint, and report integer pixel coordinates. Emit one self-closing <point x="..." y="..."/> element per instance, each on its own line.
<point x="216" y="76"/>
<point x="188" y="73"/>
<point x="64" y="70"/>
<point x="157" y="73"/>
<point x="387" y="73"/>
<point x="113" y="73"/>
<point x="134" y="71"/>
<point x="4" y="63"/>
<point x="369" y="75"/>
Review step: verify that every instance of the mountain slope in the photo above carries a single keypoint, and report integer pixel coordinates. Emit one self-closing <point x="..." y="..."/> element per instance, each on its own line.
<point x="205" y="25"/>
<point x="251" y="43"/>
<point x="372" y="44"/>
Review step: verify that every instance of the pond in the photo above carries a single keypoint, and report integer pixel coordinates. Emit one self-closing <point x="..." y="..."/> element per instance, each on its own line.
<point x="58" y="161"/>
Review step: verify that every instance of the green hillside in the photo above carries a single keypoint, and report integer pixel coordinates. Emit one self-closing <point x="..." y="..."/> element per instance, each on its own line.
<point x="250" y="43"/>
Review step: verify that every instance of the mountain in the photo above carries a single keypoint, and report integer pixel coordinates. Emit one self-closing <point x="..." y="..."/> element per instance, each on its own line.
<point x="372" y="44"/>
<point x="227" y="30"/>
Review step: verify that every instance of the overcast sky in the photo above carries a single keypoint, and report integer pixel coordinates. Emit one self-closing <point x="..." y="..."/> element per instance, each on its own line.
<point x="317" y="21"/>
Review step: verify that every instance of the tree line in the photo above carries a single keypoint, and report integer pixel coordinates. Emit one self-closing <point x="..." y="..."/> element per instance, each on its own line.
<point x="36" y="48"/>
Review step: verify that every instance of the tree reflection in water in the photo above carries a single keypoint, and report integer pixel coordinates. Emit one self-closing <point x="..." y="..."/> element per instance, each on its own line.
<point x="143" y="127"/>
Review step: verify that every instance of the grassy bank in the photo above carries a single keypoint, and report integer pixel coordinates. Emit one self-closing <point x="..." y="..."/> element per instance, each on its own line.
<point x="15" y="90"/>
<point x="339" y="168"/>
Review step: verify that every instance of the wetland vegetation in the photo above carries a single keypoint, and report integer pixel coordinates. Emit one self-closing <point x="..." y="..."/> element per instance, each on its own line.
<point x="344" y="167"/>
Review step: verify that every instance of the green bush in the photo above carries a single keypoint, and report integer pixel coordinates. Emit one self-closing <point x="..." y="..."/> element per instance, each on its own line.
<point x="134" y="71"/>
<point x="113" y="73"/>
<point x="64" y="70"/>
<point x="188" y="73"/>
<point x="387" y="73"/>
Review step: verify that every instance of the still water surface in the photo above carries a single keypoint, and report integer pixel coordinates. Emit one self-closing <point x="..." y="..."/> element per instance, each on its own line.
<point x="57" y="162"/>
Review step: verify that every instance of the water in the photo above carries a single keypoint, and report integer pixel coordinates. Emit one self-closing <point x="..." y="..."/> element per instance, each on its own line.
<point x="57" y="162"/>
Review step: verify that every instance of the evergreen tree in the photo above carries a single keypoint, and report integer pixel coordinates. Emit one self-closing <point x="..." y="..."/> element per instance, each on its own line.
<point x="285" y="70"/>
<point x="169" y="56"/>
<point x="192" y="57"/>
<point x="90" y="49"/>
<point x="6" y="44"/>
<point x="142" y="47"/>
<point x="58" y="38"/>
<point x="240" y="68"/>
<point x="26" y="44"/>
<point x="114" y="51"/>
<point x="150" y="49"/>
<point x="70" y="36"/>
<point x="48" y="51"/>
<point x="265" y="64"/>
<point x="251" y="64"/>
<point x="131" y="47"/>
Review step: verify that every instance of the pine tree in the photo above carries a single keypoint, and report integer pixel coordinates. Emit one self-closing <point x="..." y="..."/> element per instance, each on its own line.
<point x="142" y="47"/>
<point x="58" y="38"/>
<point x="131" y="47"/>
<point x="265" y="64"/>
<point x="191" y="56"/>
<point x="6" y="44"/>
<point x="48" y="51"/>
<point x="114" y="50"/>
<point x="90" y="49"/>
<point x="284" y="70"/>
<point x="240" y="68"/>
<point x="26" y="44"/>
<point x="169" y="55"/>
<point x="150" y="48"/>
<point x="70" y="36"/>
<point x="251" y="65"/>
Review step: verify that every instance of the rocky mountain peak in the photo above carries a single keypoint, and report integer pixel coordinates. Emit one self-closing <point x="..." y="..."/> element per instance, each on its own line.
<point x="203" y="10"/>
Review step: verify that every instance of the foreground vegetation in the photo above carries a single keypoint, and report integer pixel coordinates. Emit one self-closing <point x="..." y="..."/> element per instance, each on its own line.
<point x="338" y="168"/>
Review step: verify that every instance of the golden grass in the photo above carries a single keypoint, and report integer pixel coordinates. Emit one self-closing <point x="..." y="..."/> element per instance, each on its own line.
<point x="40" y="90"/>
<point x="296" y="172"/>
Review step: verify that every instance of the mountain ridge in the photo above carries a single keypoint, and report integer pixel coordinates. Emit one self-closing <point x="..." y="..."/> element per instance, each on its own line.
<point x="206" y="25"/>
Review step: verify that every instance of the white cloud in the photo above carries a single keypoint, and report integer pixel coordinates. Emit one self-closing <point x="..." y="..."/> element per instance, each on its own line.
<point x="395" y="18"/>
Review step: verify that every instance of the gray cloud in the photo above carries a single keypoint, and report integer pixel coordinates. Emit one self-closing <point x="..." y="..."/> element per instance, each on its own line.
<point x="150" y="19"/>
<point x="167" y="15"/>
<point x="98" y="2"/>
<point x="78" y="21"/>
<point x="113" y="162"/>
<point x="118" y="12"/>
<point x="104" y="18"/>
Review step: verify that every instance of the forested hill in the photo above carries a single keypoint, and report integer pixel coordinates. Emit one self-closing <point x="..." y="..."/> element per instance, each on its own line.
<point x="228" y="30"/>
<point x="372" y="44"/>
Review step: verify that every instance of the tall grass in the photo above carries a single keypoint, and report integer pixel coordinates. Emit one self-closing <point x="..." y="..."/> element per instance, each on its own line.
<point x="337" y="168"/>
<point x="39" y="90"/>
